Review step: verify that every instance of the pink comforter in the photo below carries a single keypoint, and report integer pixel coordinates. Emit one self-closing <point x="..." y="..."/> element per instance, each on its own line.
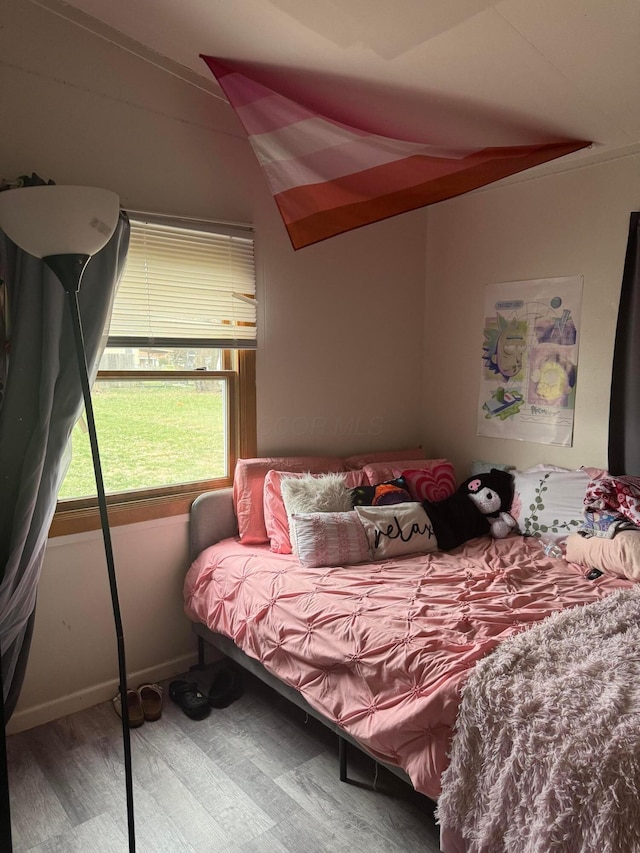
<point x="383" y="649"/>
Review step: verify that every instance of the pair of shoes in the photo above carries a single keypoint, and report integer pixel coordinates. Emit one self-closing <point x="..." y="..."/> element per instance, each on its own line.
<point x="187" y="696"/>
<point x="145" y="703"/>
<point x="134" y="708"/>
<point x="151" y="701"/>
<point x="225" y="688"/>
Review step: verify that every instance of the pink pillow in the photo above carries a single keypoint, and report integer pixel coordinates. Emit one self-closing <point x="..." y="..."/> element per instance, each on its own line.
<point x="362" y="459"/>
<point x="275" y="515"/>
<point x="248" y="482"/>
<point x="431" y="484"/>
<point x="378" y="472"/>
<point x="595" y="473"/>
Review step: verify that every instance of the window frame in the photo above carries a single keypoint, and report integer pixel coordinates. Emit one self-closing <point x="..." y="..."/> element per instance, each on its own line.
<point x="82" y="514"/>
<point x="239" y="371"/>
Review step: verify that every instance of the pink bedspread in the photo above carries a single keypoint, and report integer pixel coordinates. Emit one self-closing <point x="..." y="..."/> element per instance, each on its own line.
<point x="383" y="649"/>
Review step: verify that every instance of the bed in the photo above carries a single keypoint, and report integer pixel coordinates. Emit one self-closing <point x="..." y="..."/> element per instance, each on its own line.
<point x="379" y="651"/>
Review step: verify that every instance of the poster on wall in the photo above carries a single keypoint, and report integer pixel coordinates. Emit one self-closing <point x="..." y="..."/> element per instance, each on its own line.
<point x="529" y="365"/>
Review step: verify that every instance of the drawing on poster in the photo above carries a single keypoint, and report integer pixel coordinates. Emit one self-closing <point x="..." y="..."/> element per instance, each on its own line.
<point x="530" y="360"/>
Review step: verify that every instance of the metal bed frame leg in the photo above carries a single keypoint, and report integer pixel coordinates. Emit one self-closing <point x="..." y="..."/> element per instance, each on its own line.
<point x="342" y="758"/>
<point x="201" y="647"/>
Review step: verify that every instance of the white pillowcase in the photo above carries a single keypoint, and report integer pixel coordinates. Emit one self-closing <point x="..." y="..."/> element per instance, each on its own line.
<point x="549" y="502"/>
<point x="309" y="493"/>
<point x="397" y="529"/>
<point x="329" y="539"/>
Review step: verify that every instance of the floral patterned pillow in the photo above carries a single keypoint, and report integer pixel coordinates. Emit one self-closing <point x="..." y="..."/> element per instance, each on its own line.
<point x="549" y="502"/>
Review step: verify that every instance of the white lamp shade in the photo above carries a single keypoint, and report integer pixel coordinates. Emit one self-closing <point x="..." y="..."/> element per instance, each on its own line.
<point x="59" y="220"/>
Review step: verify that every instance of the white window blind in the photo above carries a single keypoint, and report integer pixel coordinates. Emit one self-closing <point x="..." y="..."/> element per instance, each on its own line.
<point x="184" y="284"/>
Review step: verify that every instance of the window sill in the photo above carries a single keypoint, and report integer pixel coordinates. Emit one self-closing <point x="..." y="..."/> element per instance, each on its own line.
<point x="80" y="520"/>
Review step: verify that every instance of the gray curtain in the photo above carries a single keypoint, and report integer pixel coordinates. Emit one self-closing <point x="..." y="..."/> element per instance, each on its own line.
<point x="624" y="421"/>
<point x="40" y="403"/>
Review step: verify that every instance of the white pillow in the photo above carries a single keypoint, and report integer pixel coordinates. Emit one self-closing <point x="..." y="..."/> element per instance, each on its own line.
<point x="397" y="529"/>
<point x="549" y="502"/>
<point x="309" y="493"/>
<point x="313" y="493"/>
<point x="329" y="539"/>
<point x="276" y="519"/>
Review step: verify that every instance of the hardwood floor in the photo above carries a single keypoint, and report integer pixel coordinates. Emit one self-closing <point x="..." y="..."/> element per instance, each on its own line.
<point x="256" y="777"/>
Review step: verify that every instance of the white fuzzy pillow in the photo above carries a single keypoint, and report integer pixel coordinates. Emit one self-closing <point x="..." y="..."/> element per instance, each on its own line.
<point x="309" y="493"/>
<point x="313" y="493"/>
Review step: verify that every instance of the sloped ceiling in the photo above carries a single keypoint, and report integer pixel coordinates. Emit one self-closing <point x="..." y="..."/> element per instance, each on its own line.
<point x="502" y="73"/>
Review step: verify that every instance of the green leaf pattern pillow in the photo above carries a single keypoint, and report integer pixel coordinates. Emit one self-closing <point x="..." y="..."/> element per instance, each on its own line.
<point x="549" y="502"/>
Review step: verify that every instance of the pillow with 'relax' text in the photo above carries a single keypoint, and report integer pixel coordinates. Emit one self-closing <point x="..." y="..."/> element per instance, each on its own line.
<point x="396" y="530"/>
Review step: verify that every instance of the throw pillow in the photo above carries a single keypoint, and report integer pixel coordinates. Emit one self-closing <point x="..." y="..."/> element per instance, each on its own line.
<point x="549" y="502"/>
<point x="431" y="484"/>
<point x="378" y="472"/>
<point x="275" y="515"/>
<point x="620" y="555"/>
<point x="480" y="467"/>
<point x="326" y="493"/>
<point x="362" y="459"/>
<point x="329" y="539"/>
<point x="248" y="483"/>
<point x="396" y="530"/>
<point x="389" y="492"/>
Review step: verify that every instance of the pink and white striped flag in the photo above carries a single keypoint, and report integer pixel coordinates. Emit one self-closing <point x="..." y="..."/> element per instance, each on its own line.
<point x="328" y="177"/>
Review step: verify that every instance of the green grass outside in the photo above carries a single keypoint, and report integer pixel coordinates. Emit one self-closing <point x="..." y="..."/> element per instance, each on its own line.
<point x="150" y="434"/>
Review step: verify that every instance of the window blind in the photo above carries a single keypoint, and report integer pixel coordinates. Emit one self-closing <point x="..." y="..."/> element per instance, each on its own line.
<point x="186" y="285"/>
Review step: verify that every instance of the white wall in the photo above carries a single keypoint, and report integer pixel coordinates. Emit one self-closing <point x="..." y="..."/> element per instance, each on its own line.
<point x="565" y="224"/>
<point x="340" y="350"/>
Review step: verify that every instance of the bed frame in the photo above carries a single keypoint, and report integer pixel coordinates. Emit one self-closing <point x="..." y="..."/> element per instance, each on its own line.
<point x="212" y="519"/>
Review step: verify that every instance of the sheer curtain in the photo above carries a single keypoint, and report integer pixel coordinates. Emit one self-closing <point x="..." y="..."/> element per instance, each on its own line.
<point x="624" y="422"/>
<point x="40" y="402"/>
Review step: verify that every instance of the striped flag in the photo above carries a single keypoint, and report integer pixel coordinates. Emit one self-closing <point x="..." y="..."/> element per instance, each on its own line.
<point x="328" y="177"/>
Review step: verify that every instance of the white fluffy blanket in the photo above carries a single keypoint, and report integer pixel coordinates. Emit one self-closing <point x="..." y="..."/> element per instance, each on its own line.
<point x="546" y="755"/>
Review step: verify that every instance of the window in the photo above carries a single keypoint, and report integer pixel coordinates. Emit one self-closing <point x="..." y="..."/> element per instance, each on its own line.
<point x="174" y="398"/>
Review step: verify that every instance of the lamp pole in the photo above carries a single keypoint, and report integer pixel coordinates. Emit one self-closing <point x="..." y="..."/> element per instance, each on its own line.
<point x="65" y="226"/>
<point x="69" y="269"/>
<point x="5" y="804"/>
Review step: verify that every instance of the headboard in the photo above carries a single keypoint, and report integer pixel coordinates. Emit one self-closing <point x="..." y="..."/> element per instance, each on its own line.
<point x="212" y="519"/>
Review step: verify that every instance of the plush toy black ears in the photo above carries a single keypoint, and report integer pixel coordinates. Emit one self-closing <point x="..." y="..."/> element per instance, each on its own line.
<point x="502" y="482"/>
<point x="498" y="480"/>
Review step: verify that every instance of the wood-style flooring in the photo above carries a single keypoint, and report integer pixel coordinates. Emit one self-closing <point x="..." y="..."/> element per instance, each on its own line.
<point x="256" y="777"/>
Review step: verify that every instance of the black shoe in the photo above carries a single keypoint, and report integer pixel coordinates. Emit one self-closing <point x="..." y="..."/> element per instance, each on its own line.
<point x="187" y="696"/>
<point x="225" y="688"/>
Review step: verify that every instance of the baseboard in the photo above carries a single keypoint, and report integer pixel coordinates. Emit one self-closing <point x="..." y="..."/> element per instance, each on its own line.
<point x="37" y="715"/>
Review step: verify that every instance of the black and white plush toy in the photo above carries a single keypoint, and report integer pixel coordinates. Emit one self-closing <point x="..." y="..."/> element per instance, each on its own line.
<point x="479" y="506"/>
<point x="492" y="493"/>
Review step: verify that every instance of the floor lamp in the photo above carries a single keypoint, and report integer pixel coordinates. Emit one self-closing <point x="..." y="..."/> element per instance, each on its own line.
<point x="66" y="226"/>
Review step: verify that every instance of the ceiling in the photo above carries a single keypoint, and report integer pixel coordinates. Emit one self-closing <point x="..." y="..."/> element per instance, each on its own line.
<point x="504" y="73"/>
